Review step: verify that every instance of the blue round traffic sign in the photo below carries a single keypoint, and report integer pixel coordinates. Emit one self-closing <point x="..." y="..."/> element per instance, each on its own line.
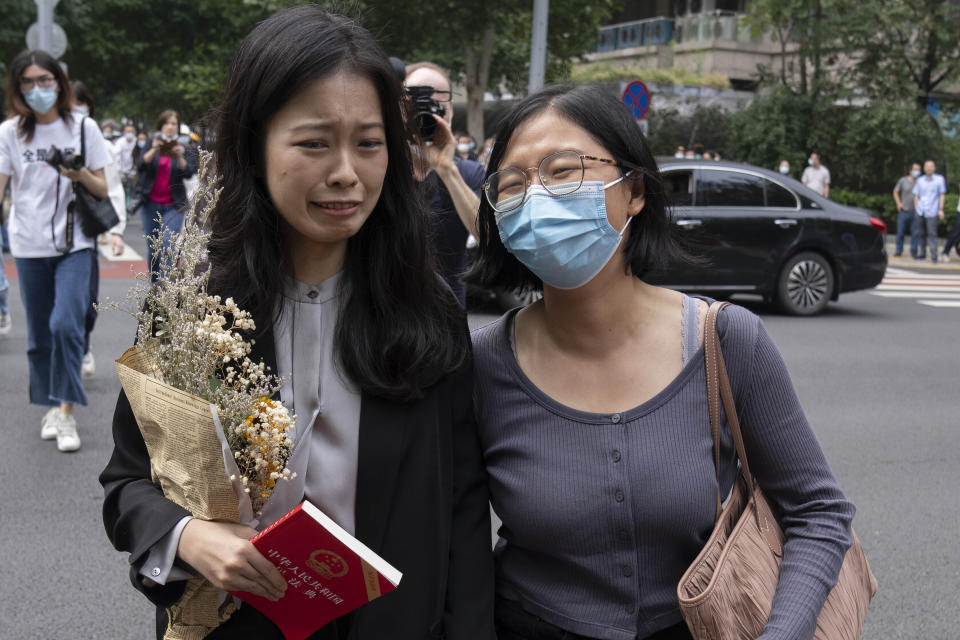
<point x="637" y="98"/>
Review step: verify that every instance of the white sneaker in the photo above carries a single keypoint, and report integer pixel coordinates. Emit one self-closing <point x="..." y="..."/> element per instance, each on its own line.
<point x="48" y="426"/>
<point x="6" y="323"/>
<point x="88" y="366"/>
<point x="67" y="438"/>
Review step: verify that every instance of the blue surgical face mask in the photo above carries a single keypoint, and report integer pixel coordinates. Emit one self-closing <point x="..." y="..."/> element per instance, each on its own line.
<point x="564" y="240"/>
<point x="141" y="143"/>
<point x="784" y="169"/>
<point x="915" y="173"/>
<point x="82" y="110"/>
<point x="41" y="100"/>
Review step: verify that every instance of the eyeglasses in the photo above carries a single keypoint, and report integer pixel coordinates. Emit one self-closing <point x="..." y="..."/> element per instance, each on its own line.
<point x="560" y="173"/>
<point x="44" y="82"/>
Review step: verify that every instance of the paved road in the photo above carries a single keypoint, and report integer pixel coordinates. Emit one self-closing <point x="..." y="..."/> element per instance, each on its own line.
<point x="877" y="374"/>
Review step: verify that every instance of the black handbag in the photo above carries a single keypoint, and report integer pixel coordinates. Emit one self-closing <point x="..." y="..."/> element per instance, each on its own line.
<point x="97" y="215"/>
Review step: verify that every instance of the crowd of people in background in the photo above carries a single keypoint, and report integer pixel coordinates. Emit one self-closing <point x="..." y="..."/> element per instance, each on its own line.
<point x="920" y="198"/>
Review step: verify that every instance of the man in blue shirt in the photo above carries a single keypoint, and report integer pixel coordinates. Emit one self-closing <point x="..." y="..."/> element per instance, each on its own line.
<point x="929" y="195"/>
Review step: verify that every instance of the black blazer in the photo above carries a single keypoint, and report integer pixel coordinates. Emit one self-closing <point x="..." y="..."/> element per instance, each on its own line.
<point x="147" y="176"/>
<point x="422" y="504"/>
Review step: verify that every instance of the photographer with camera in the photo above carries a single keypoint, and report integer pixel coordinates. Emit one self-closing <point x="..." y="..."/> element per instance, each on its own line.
<point x="453" y="183"/>
<point x="161" y="195"/>
<point x="39" y="147"/>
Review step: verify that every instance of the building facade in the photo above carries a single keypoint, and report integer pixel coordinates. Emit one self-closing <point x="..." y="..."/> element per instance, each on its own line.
<point x="699" y="36"/>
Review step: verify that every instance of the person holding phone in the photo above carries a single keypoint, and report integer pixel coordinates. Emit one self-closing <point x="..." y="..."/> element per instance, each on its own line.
<point x="160" y="190"/>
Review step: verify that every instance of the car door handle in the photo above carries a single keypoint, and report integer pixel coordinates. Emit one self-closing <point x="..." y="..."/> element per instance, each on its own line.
<point x="785" y="223"/>
<point x="689" y="224"/>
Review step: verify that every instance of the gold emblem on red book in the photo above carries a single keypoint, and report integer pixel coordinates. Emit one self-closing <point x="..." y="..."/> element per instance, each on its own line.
<point x="327" y="564"/>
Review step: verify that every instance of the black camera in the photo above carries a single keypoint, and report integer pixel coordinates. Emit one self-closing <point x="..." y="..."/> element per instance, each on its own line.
<point x="424" y="108"/>
<point x="55" y="158"/>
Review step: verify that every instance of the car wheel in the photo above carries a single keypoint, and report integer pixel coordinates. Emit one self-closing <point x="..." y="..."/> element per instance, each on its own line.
<point x="805" y="285"/>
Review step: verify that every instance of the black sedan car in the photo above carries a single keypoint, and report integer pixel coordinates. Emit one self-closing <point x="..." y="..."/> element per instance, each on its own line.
<point x="760" y="232"/>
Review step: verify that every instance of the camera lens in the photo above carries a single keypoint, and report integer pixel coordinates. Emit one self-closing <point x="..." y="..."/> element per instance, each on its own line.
<point x="427" y="125"/>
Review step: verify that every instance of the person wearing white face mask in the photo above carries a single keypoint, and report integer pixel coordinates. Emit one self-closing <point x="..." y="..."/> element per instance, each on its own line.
<point x="592" y="402"/>
<point x="784" y="168"/>
<point x="53" y="255"/>
<point x="906" y="213"/>
<point x="466" y="147"/>
<point x="816" y="176"/>
<point x="124" y="148"/>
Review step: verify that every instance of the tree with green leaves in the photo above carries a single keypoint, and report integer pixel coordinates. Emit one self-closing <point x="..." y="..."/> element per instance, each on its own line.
<point x="902" y="48"/>
<point x="804" y="29"/>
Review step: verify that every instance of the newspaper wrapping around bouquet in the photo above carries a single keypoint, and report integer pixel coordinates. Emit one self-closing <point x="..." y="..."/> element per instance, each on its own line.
<point x="189" y="459"/>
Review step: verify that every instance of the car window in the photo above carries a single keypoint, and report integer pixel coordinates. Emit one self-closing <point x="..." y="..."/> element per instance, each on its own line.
<point x="716" y="188"/>
<point x="679" y="187"/>
<point x="778" y="196"/>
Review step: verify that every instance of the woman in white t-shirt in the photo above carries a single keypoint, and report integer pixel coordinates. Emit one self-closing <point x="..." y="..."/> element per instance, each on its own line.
<point x="52" y="253"/>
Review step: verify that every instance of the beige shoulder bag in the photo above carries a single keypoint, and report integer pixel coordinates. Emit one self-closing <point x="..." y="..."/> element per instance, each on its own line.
<point x="727" y="592"/>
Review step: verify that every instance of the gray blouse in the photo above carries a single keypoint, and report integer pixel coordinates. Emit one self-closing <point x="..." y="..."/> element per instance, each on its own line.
<point x="326" y="403"/>
<point x="603" y="512"/>
<point x="327" y="408"/>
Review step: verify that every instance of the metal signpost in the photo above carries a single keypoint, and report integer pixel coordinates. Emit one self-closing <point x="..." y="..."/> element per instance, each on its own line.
<point x="538" y="45"/>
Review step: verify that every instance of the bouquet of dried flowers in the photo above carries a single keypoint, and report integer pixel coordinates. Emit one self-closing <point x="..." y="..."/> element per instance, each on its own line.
<point x="218" y="441"/>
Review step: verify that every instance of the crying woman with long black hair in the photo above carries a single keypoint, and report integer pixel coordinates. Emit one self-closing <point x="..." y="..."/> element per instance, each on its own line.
<point x="319" y="234"/>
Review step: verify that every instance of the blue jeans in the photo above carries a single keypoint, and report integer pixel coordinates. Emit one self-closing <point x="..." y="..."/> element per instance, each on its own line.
<point x="4" y="289"/>
<point x="156" y="217"/>
<point x="904" y="219"/>
<point x="56" y="294"/>
<point x="91" y="317"/>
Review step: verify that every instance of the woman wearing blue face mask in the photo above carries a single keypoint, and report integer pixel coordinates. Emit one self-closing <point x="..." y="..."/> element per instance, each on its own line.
<point x="592" y="401"/>
<point x="40" y="155"/>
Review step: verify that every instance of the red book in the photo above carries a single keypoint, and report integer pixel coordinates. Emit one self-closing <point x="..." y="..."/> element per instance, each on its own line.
<point x="328" y="572"/>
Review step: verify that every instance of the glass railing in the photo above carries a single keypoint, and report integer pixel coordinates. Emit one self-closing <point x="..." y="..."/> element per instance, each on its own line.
<point x="715" y="25"/>
<point x="639" y="33"/>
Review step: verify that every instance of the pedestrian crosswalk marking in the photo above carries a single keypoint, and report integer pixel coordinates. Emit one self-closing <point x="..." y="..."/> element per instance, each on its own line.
<point x="933" y="290"/>
<point x="916" y="294"/>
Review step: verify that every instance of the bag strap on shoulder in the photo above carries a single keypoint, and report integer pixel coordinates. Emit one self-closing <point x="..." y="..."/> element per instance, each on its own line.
<point x="83" y="140"/>
<point x="719" y="390"/>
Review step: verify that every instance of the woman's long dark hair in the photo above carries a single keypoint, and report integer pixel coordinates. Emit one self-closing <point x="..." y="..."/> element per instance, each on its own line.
<point x="400" y="329"/>
<point x="651" y="242"/>
<point x="16" y="99"/>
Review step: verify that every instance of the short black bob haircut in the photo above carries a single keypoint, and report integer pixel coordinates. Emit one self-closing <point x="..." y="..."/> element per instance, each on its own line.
<point x="400" y="328"/>
<point x="650" y="243"/>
